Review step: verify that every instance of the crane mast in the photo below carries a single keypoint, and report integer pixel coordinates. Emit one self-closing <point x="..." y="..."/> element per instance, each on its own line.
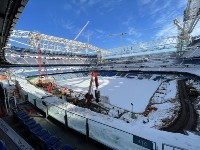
<point x="190" y="19"/>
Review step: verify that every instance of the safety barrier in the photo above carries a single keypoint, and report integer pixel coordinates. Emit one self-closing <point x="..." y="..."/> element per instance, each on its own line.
<point x="115" y="139"/>
<point x="171" y="147"/>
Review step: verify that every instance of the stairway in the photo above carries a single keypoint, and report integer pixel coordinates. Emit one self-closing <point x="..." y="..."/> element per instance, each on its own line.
<point x="18" y="97"/>
<point x="13" y="97"/>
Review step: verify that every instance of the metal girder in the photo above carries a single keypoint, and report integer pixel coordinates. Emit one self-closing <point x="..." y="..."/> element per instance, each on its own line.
<point x="190" y="19"/>
<point x="153" y="45"/>
<point x="53" y="43"/>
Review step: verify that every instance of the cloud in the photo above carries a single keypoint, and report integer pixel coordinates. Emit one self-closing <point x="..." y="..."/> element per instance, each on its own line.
<point x="132" y="31"/>
<point x="182" y="4"/>
<point x="86" y="3"/>
<point x="132" y="41"/>
<point x="100" y="34"/>
<point x="196" y="30"/>
<point x="167" y="31"/>
<point x="144" y="2"/>
<point x="84" y="6"/>
<point x="67" y="24"/>
<point x="67" y="6"/>
<point x="100" y="31"/>
<point x="108" y="6"/>
<point x="128" y="21"/>
<point x="155" y="8"/>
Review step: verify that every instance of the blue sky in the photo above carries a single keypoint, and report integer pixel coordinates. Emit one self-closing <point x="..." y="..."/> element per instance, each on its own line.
<point x="143" y="20"/>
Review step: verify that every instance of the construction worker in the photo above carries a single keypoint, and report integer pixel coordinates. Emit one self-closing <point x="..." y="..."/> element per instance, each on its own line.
<point x="65" y="90"/>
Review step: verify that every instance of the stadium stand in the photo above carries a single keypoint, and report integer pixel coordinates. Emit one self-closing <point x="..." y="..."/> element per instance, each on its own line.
<point x="16" y="55"/>
<point x="38" y="134"/>
<point x="192" y="53"/>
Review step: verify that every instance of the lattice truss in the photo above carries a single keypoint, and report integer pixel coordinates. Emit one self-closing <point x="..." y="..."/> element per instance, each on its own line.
<point x="52" y="43"/>
<point x="158" y="44"/>
<point x="190" y="19"/>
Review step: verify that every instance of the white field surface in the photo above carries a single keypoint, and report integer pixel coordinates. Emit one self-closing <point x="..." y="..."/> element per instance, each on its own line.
<point x="121" y="91"/>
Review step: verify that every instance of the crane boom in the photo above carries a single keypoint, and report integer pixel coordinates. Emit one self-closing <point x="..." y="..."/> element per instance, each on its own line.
<point x="81" y="30"/>
<point x="190" y="19"/>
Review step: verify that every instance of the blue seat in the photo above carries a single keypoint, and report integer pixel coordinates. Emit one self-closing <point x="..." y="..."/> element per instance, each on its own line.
<point x="30" y="125"/>
<point x="48" y="143"/>
<point x="33" y="131"/>
<point x="20" y="114"/>
<point x="67" y="147"/>
<point x="25" y="118"/>
<point x="23" y="115"/>
<point x="40" y="133"/>
<point x="28" y="121"/>
<point x="57" y="145"/>
<point x="17" y="113"/>
<point x="45" y="136"/>
<point x="36" y="129"/>
<point x="2" y="145"/>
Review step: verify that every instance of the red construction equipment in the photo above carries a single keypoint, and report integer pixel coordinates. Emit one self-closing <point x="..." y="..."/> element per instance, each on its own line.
<point x="39" y="61"/>
<point x="41" y="66"/>
<point x="89" y="95"/>
<point x="50" y="87"/>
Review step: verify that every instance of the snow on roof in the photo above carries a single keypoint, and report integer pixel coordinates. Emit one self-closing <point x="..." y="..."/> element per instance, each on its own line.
<point x="191" y="53"/>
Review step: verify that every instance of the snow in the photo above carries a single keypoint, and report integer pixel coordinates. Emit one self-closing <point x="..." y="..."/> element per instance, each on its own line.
<point x="167" y="91"/>
<point x="112" y="132"/>
<point x="121" y="91"/>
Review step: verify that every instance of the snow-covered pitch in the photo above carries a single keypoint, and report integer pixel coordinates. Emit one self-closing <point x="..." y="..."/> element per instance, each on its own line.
<point x="121" y="91"/>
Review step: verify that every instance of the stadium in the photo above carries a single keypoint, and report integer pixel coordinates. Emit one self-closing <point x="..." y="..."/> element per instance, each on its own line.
<point x="58" y="93"/>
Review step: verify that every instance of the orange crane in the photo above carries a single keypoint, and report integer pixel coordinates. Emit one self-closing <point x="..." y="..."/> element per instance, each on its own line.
<point x="41" y="66"/>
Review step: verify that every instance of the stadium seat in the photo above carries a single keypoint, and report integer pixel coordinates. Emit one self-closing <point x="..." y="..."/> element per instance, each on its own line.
<point x="30" y="125"/>
<point x="35" y="130"/>
<point x="57" y="145"/>
<point x="67" y="147"/>
<point x="22" y="116"/>
<point x="16" y="113"/>
<point x="48" y="143"/>
<point x="40" y="133"/>
<point x="45" y="136"/>
<point x="29" y="122"/>
<point x="2" y="145"/>
<point x="25" y="119"/>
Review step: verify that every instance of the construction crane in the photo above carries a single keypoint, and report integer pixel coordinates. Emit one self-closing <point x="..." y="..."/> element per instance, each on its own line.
<point x="190" y="19"/>
<point x="80" y="34"/>
<point x="41" y="65"/>
<point x="121" y="36"/>
<point x="81" y="31"/>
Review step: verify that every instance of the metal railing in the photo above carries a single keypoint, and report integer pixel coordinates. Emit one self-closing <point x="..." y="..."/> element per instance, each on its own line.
<point x="103" y="133"/>
<point x="171" y="147"/>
